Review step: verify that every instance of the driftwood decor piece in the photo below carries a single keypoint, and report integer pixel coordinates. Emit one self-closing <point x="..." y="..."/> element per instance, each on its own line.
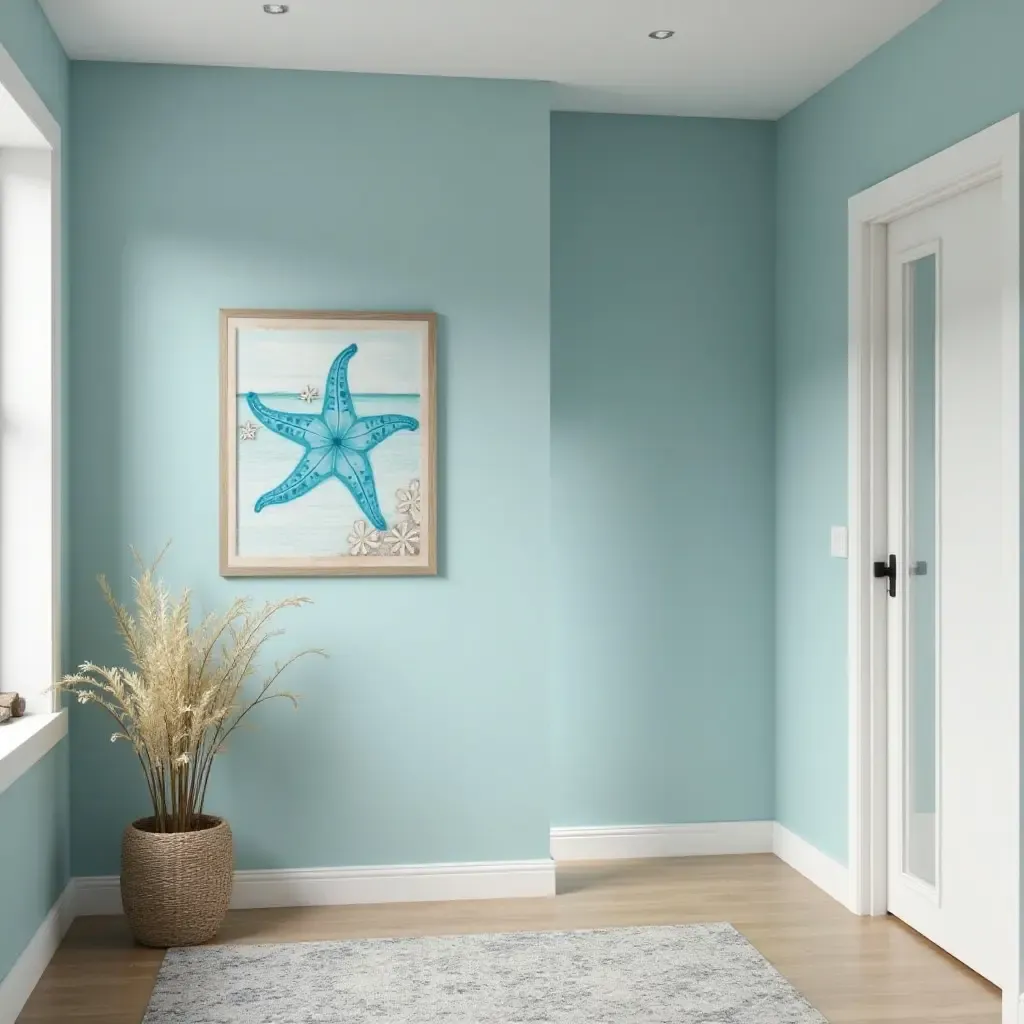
<point x="11" y="706"/>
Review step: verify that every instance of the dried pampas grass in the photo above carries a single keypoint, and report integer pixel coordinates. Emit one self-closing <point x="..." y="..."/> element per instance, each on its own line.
<point x="184" y="697"/>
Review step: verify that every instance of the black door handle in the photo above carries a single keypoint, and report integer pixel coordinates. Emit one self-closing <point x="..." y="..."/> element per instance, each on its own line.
<point x="887" y="569"/>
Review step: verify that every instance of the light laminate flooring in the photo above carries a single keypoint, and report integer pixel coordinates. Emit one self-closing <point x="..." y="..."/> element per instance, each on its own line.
<point x="852" y="969"/>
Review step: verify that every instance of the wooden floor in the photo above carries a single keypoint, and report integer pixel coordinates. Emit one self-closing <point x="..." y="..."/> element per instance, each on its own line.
<point x="852" y="969"/>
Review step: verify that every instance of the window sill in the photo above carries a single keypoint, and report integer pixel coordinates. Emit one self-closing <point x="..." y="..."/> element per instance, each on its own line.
<point x="23" y="741"/>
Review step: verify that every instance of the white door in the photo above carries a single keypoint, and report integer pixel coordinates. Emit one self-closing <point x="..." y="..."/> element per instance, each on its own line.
<point x="950" y="703"/>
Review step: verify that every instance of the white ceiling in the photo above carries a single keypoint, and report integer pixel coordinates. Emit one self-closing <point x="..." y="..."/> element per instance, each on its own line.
<point x="729" y="58"/>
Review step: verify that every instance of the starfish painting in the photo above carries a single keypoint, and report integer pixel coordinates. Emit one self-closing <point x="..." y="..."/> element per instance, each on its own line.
<point x="337" y="443"/>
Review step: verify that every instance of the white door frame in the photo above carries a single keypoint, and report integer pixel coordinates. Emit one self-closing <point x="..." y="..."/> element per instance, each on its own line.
<point x="990" y="155"/>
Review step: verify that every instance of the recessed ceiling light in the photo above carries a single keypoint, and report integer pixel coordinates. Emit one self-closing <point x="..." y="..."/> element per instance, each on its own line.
<point x="275" y="8"/>
<point x="662" y="33"/>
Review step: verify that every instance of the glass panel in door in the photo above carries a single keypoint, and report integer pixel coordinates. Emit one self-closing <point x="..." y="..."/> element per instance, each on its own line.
<point x="920" y="770"/>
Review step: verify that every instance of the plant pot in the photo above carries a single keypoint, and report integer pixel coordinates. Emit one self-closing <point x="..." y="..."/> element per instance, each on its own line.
<point x="175" y="886"/>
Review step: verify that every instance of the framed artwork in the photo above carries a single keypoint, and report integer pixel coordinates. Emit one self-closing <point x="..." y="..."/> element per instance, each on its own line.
<point x="328" y="444"/>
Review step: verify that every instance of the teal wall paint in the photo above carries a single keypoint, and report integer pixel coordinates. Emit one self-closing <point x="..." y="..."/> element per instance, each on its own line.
<point x="423" y="739"/>
<point x="27" y="36"/>
<point x="33" y="850"/>
<point x="428" y="747"/>
<point x="662" y="465"/>
<point x="949" y="75"/>
<point x="34" y="810"/>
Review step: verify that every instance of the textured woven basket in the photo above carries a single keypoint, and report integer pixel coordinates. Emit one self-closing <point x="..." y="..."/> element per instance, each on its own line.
<point x="175" y="886"/>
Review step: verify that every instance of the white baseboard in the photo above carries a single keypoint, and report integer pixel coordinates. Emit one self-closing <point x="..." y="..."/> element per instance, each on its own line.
<point x="324" y="887"/>
<point x="827" y="874"/>
<point x="636" y="842"/>
<point x="96" y="895"/>
<point x="28" y="968"/>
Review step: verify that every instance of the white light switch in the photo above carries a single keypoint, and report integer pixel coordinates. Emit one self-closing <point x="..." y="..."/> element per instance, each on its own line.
<point x="840" y="542"/>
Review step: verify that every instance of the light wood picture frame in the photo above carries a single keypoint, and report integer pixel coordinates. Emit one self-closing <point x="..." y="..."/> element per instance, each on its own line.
<point x="328" y="443"/>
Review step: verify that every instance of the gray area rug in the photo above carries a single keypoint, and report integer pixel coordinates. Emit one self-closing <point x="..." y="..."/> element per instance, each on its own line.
<point x="694" y="974"/>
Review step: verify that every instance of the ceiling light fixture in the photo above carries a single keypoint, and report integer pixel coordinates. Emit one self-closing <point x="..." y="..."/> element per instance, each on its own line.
<point x="275" y="8"/>
<point x="662" y="33"/>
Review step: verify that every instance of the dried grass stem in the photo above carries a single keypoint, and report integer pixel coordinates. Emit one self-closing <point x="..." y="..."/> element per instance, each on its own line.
<point x="184" y="696"/>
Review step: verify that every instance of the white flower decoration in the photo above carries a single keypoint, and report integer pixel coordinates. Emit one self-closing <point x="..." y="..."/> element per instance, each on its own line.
<point x="404" y="538"/>
<point x="363" y="540"/>
<point x="247" y="431"/>
<point x="309" y="393"/>
<point x="409" y="501"/>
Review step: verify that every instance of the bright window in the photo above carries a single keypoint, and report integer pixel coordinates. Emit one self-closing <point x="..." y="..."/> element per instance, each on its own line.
<point x="29" y="417"/>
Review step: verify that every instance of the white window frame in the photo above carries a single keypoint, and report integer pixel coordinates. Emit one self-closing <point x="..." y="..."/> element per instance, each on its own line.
<point x="24" y="741"/>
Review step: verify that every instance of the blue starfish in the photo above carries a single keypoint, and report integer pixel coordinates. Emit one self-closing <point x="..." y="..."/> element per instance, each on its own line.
<point x="337" y="443"/>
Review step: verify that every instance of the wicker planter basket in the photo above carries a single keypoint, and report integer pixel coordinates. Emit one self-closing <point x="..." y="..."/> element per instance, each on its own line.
<point x="175" y="886"/>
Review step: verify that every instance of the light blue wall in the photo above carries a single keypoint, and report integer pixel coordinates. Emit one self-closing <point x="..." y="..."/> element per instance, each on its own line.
<point x="423" y="739"/>
<point x="27" y="36"/>
<point x="33" y="851"/>
<point x="662" y="465"/>
<point x="34" y="810"/>
<point x="952" y="73"/>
